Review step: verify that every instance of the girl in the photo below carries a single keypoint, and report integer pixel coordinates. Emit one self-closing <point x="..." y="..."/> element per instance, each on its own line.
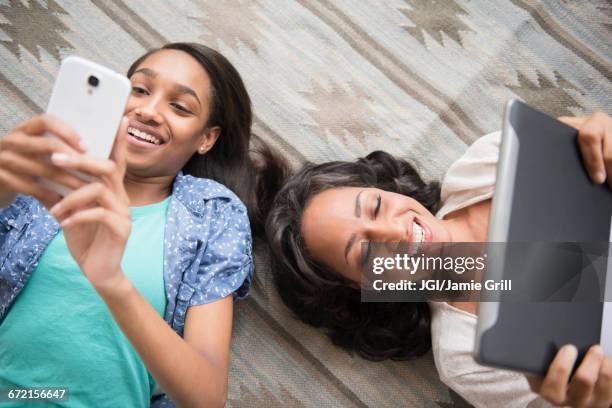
<point x="319" y="218"/>
<point x="134" y="273"/>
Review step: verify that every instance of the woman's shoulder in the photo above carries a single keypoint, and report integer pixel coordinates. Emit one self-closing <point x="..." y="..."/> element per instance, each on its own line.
<point x="471" y="178"/>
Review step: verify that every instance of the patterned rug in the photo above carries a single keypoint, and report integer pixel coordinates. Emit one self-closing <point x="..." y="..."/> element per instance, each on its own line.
<point x="335" y="80"/>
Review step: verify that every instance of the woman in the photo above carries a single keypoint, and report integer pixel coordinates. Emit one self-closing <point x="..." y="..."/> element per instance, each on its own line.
<point x="321" y="215"/>
<point x="132" y="274"/>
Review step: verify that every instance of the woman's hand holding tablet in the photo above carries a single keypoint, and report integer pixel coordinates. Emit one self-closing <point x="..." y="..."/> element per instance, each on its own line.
<point x="591" y="384"/>
<point x="595" y="140"/>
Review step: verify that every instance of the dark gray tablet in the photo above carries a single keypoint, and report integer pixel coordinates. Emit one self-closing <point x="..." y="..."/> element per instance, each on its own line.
<point x="543" y="195"/>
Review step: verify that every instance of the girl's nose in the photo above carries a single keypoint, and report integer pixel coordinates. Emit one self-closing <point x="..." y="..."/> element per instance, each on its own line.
<point x="148" y="112"/>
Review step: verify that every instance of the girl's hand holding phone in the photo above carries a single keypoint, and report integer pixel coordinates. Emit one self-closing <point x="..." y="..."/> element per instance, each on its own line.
<point x="96" y="217"/>
<point x="22" y="154"/>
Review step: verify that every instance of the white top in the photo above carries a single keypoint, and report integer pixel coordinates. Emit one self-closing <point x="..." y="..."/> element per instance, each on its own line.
<point x="470" y="180"/>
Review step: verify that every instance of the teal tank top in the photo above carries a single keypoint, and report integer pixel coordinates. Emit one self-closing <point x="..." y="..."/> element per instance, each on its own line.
<point x="60" y="333"/>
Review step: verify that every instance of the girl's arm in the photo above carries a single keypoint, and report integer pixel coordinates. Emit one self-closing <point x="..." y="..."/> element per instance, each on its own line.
<point x="192" y="371"/>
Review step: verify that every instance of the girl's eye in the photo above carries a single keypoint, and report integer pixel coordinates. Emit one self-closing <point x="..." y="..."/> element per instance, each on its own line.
<point x="138" y="90"/>
<point x="180" y="108"/>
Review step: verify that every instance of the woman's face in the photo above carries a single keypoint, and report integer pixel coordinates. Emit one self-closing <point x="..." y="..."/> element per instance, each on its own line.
<point x="336" y="222"/>
<point x="168" y="108"/>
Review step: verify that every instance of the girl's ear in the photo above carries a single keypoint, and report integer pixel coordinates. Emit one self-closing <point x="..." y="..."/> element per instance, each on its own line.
<point x="208" y="139"/>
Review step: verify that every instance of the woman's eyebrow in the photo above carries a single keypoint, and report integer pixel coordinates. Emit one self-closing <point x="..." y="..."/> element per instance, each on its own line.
<point x="358" y="205"/>
<point x="351" y="240"/>
<point x="349" y="244"/>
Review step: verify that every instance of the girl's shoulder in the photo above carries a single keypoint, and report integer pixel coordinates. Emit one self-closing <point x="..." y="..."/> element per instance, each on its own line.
<point x="197" y="194"/>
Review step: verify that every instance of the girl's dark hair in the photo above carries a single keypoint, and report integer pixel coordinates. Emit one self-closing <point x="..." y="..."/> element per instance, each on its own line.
<point x="229" y="161"/>
<point x="324" y="298"/>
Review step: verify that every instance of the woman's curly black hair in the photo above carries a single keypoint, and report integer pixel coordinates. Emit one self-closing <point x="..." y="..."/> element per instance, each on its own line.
<point x="323" y="298"/>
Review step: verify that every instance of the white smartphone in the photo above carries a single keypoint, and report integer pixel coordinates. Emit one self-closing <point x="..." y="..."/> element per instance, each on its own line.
<point x="91" y="99"/>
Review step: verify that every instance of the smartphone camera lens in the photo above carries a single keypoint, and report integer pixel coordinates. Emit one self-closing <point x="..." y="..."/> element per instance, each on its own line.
<point x="93" y="81"/>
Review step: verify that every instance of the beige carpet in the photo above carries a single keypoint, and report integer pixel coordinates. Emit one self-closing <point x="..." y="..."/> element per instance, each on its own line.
<point x="335" y="80"/>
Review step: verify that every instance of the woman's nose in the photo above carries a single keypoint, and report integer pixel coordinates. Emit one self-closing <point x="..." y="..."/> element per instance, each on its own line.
<point x="386" y="232"/>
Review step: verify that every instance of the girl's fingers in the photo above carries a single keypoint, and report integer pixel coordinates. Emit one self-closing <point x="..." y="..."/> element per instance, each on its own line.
<point x="554" y="385"/>
<point x="28" y="186"/>
<point x="22" y="165"/>
<point x="45" y="123"/>
<point x="112" y="169"/>
<point x="91" y="195"/>
<point x="583" y="382"/>
<point x="602" y="394"/>
<point x="591" y="141"/>
<point x="105" y="169"/>
<point x="34" y="145"/>
<point x="119" y="225"/>
<point x="86" y="164"/>
<point x="119" y="152"/>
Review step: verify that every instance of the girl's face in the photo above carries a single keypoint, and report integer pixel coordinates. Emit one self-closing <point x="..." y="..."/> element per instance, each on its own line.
<point x="168" y="109"/>
<point x="337" y="221"/>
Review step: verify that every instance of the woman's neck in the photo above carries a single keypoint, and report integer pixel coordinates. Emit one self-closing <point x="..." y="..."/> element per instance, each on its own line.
<point x="147" y="190"/>
<point x="469" y="224"/>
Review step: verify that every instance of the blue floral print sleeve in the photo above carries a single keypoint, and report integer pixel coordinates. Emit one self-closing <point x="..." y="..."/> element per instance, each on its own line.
<point x="226" y="266"/>
<point x="208" y="247"/>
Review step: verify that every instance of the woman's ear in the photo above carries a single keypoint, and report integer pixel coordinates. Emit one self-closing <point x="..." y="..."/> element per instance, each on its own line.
<point x="208" y="139"/>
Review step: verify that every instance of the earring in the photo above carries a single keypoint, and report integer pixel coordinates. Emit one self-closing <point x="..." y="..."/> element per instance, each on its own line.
<point x="202" y="150"/>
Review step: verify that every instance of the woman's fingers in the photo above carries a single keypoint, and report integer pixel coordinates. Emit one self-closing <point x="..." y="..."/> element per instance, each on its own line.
<point x="607" y="150"/>
<point x="591" y="137"/>
<point x="572" y="121"/>
<point x="45" y="123"/>
<point x="91" y="195"/>
<point x="602" y="395"/>
<point x="580" y="390"/>
<point x="554" y="385"/>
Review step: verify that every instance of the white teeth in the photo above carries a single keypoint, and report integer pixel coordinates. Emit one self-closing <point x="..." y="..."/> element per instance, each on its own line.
<point x="418" y="236"/>
<point x="418" y="233"/>
<point x="143" y="135"/>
